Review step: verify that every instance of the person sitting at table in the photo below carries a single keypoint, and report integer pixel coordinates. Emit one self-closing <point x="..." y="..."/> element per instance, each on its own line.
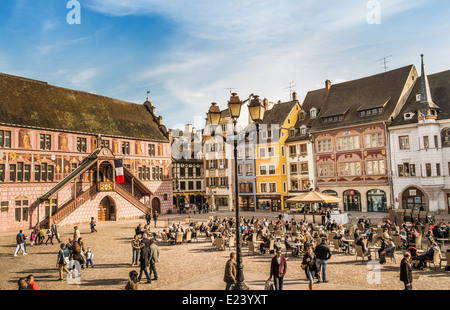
<point x="334" y="225"/>
<point x="369" y="234"/>
<point x="428" y="255"/>
<point x="356" y="234"/>
<point x="388" y="250"/>
<point x="386" y="233"/>
<point x="289" y="246"/>
<point x="359" y="241"/>
<point x="342" y="242"/>
<point x="322" y="234"/>
<point x="437" y="233"/>
<point x="265" y="243"/>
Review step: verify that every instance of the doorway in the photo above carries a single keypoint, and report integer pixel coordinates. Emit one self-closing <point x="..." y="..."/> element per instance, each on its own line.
<point x="352" y="200"/>
<point x="156" y="205"/>
<point x="106" y="210"/>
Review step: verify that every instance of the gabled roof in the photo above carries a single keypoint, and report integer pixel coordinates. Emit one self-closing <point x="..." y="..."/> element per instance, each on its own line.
<point x="313" y="99"/>
<point x="279" y="113"/>
<point x="346" y="98"/>
<point x="26" y="102"/>
<point x="440" y="92"/>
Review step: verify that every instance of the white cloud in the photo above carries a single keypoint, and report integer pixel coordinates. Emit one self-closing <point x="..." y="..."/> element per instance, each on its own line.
<point x="255" y="46"/>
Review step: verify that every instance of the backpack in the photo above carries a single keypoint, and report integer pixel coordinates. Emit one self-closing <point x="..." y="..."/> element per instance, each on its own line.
<point x="19" y="238"/>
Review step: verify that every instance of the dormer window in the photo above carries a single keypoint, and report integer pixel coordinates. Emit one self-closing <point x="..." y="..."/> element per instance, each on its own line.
<point x="333" y="119"/>
<point x="313" y="113"/>
<point x="291" y="132"/>
<point x="303" y="131"/>
<point x="418" y="97"/>
<point x="301" y="115"/>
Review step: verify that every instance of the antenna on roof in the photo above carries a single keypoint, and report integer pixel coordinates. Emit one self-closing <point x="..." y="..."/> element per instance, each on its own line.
<point x="291" y="86"/>
<point x="148" y="93"/>
<point x="384" y="62"/>
<point x="230" y="89"/>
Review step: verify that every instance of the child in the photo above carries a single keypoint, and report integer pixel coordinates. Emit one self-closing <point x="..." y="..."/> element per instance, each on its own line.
<point x="32" y="238"/>
<point x="41" y="236"/>
<point x="89" y="256"/>
<point x="133" y="282"/>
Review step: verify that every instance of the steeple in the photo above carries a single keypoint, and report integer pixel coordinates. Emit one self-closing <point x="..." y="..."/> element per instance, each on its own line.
<point x="427" y="108"/>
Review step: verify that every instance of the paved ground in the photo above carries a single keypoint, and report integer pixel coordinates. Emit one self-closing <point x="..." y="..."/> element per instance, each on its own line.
<point x="194" y="266"/>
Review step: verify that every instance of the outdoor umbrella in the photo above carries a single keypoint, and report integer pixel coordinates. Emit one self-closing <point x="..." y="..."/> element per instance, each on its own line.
<point x="313" y="197"/>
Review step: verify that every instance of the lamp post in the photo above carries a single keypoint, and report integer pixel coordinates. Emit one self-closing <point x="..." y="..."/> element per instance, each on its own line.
<point x="213" y="117"/>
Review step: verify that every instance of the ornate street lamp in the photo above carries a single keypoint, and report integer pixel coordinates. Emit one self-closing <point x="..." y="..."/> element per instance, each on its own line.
<point x="256" y="109"/>
<point x="213" y="118"/>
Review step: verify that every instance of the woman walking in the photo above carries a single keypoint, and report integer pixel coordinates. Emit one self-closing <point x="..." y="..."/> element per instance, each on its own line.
<point x="309" y="264"/>
<point x="135" y="245"/>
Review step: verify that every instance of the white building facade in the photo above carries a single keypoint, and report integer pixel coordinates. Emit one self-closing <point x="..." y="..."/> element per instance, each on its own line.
<point x="420" y="146"/>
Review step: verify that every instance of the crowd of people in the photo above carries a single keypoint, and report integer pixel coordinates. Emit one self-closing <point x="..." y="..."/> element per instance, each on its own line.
<point x="301" y="239"/>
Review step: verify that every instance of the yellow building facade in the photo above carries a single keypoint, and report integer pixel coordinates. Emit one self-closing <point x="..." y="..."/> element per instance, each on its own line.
<point x="270" y="158"/>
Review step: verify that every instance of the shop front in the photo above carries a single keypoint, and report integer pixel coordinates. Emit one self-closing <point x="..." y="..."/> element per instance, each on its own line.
<point x="376" y="201"/>
<point x="352" y="200"/>
<point x="413" y="198"/>
<point x="269" y="203"/>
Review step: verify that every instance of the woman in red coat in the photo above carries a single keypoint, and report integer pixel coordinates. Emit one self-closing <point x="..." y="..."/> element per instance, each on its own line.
<point x="278" y="269"/>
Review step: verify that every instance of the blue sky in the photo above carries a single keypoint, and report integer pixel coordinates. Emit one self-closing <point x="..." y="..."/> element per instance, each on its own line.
<point x="187" y="53"/>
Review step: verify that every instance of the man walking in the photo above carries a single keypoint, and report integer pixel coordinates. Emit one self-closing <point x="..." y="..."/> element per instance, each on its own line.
<point x="278" y="268"/>
<point x="76" y="234"/>
<point x="153" y="259"/>
<point x="323" y="254"/>
<point x="55" y="232"/>
<point x="144" y="259"/>
<point x="93" y="225"/>
<point x="230" y="272"/>
<point x="148" y="217"/>
<point x="155" y="217"/>
<point x="20" y="238"/>
<point x="406" y="271"/>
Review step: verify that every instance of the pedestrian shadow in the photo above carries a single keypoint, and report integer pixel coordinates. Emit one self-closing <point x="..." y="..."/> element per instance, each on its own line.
<point x="103" y="282"/>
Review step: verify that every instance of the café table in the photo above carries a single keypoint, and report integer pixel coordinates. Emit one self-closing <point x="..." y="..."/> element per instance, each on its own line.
<point x="374" y="249"/>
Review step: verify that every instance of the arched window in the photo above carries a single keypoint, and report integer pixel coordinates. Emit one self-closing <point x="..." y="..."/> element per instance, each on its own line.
<point x="376" y="200"/>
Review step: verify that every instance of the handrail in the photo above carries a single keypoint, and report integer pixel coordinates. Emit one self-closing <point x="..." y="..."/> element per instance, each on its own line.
<point x="73" y="205"/>
<point x="128" y="196"/>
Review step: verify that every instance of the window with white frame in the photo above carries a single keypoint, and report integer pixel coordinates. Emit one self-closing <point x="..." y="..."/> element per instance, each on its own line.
<point x="324" y="145"/>
<point x="347" y="143"/>
<point x="272" y="187"/>
<point x="271" y="151"/>
<point x="375" y="167"/>
<point x="263" y="187"/>
<point x="403" y="142"/>
<point x="350" y="168"/>
<point x="373" y="140"/>
<point x="262" y="152"/>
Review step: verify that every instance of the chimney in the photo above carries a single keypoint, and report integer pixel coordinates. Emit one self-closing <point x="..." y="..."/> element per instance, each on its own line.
<point x="328" y="84"/>
<point x="160" y="120"/>
<point x="294" y="96"/>
<point x="266" y="103"/>
<point x="188" y="128"/>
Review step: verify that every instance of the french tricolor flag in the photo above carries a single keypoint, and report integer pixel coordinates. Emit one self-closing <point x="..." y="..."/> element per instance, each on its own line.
<point x="119" y="171"/>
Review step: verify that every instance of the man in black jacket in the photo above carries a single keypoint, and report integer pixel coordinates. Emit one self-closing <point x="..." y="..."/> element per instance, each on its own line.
<point x="323" y="254"/>
<point x="406" y="271"/>
<point x="144" y="259"/>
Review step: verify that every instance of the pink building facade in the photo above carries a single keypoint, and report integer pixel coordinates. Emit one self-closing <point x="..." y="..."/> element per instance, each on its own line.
<point x="61" y="168"/>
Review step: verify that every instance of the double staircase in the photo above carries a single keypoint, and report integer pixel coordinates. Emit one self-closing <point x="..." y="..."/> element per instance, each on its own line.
<point x="89" y="194"/>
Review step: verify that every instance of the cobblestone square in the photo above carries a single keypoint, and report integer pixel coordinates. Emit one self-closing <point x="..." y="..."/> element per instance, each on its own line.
<point x="190" y="266"/>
